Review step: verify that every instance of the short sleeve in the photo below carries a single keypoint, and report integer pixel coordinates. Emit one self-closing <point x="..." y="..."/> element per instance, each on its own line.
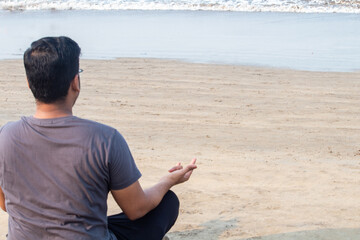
<point x="122" y="168"/>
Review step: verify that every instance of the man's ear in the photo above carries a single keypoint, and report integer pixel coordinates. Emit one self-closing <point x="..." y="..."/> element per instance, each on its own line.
<point x="75" y="83"/>
<point x="27" y="80"/>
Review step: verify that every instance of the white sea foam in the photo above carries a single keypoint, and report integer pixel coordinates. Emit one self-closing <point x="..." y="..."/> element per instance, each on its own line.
<point x="305" y="6"/>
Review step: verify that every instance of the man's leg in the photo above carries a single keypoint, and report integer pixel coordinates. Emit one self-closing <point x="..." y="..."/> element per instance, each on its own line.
<point x="152" y="226"/>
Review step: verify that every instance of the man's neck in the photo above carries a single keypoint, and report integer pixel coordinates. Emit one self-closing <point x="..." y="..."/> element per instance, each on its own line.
<point x="53" y="110"/>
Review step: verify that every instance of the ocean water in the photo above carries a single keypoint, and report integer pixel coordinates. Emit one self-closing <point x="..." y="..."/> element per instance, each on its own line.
<point x="318" y="41"/>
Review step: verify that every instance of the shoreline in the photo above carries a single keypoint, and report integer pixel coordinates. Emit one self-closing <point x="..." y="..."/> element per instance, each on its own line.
<point x="214" y="63"/>
<point x="277" y="149"/>
<point x="201" y="63"/>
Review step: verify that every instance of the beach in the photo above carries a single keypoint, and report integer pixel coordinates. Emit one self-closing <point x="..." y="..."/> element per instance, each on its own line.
<point x="278" y="149"/>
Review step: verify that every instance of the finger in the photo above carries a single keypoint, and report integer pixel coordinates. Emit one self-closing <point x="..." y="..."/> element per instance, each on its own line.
<point x="189" y="167"/>
<point x="175" y="168"/>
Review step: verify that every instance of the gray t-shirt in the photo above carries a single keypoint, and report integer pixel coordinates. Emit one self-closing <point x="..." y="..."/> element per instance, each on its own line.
<point x="56" y="175"/>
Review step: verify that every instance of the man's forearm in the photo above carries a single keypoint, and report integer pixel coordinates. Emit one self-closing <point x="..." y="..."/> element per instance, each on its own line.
<point x="155" y="194"/>
<point x="136" y="202"/>
<point x="2" y="200"/>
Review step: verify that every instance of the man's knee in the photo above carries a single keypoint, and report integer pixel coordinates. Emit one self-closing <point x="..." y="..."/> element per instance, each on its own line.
<point x="170" y="208"/>
<point x="153" y="226"/>
<point x="171" y="197"/>
<point x="172" y="201"/>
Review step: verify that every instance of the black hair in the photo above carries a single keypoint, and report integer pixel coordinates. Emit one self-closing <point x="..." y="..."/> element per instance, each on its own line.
<point x="51" y="63"/>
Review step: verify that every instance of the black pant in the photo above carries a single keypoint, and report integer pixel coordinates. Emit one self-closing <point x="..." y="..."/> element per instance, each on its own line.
<point x="152" y="226"/>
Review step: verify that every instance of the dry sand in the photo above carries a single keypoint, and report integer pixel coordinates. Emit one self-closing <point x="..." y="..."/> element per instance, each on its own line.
<point x="278" y="150"/>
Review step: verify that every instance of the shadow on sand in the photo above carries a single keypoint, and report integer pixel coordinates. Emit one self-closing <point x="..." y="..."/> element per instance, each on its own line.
<point x="321" y="234"/>
<point x="212" y="230"/>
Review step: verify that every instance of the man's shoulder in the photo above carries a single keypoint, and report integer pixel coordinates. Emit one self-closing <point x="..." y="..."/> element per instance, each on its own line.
<point x="77" y="124"/>
<point x="10" y="126"/>
<point x="9" y="131"/>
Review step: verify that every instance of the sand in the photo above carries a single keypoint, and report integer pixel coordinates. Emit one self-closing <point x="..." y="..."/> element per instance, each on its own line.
<point x="278" y="150"/>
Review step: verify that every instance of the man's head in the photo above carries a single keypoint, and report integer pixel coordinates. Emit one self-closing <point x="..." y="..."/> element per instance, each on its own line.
<point x="51" y="64"/>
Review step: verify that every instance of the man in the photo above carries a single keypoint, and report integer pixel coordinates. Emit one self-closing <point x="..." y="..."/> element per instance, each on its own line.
<point x="56" y="170"/>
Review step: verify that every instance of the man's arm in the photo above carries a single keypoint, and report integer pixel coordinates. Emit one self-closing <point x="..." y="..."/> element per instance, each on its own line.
<point x="2" y="200"/>
<point x="136" y="202"/>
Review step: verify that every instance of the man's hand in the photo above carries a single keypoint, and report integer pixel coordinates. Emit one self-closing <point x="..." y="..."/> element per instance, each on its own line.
<point x="178" y="174"/>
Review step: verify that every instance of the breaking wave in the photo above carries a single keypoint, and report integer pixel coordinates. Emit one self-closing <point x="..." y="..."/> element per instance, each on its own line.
<point x="305" y="6"/>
